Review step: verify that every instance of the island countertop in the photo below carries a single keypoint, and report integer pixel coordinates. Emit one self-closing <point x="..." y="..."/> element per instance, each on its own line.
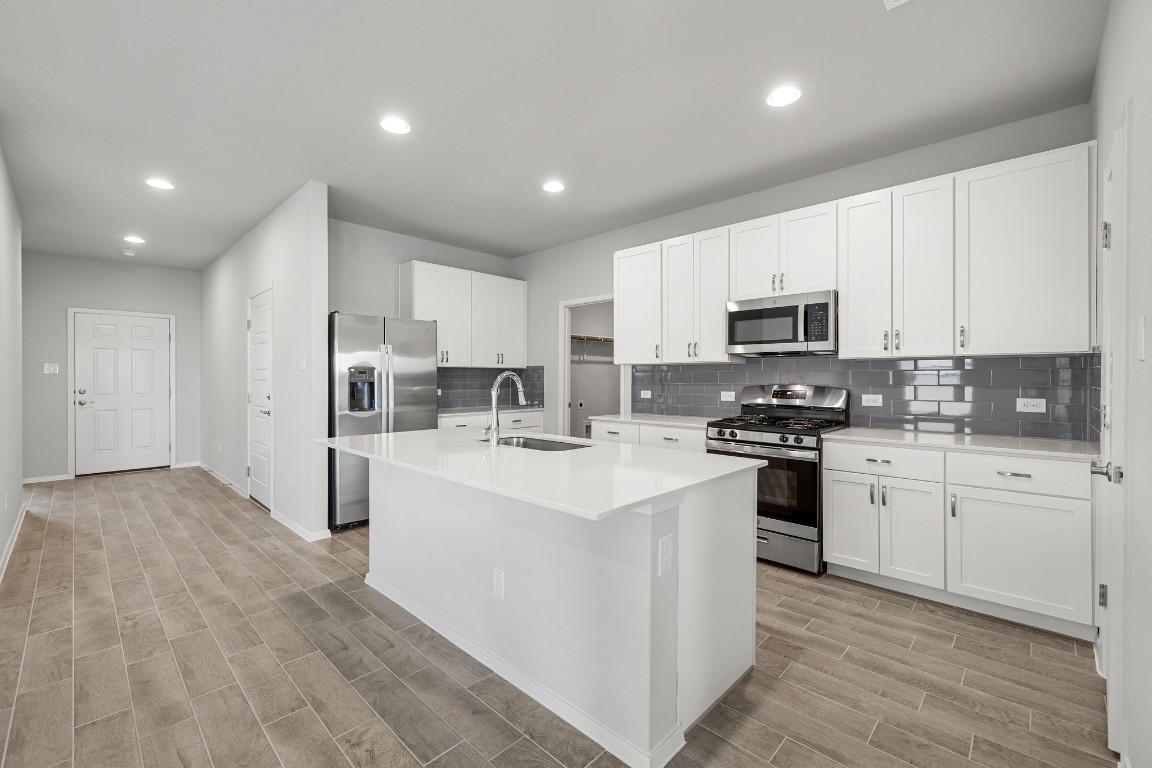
<point x="593" y="483"/>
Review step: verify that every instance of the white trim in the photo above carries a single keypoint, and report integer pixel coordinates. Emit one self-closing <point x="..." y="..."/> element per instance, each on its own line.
<point x="70" y="351"/>
<point x="564" y="418"/>
<point x="300" y="530"/>
<point x="45" y="479"/>
<point x="186" y="465"/>
<point x="224" y="480"/>
<point x="594" y="729"/>
<point x="11" y="544"/>
<point x="1085" y="632"/>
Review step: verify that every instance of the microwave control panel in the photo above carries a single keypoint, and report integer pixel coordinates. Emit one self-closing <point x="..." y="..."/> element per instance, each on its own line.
<point x="817" y="322"/>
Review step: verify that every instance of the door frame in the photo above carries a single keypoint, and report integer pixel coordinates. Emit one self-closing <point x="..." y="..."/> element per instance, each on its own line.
<point x="71" y="358"/>
<point x="248" y="399"/>
<point x="564" y="418"/>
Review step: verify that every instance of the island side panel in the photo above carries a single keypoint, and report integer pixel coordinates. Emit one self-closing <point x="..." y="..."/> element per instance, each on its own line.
<point x="717" y="643"/>
<point x="585" y="626"/>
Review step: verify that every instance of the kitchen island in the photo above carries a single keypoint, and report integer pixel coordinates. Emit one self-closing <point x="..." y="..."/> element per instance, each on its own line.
<point x="613" y="583"/>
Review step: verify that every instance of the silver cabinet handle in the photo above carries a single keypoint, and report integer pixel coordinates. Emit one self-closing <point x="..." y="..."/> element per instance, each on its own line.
<point x="446" y="356"/>
<point x="657" y="351"/>
<point x="266" y="413"/>
<point x="672" y="439"/>
<point x="1025" y="475"/>
<point x="517" y="421"/>
<point x="963" y="337"/>
<point x="461" y="425"/>
<point x="897" y="339"/>
<point x="883" y="495"/>
<point x="781" y="281"/>
<point x="81" y="402"/>
<point x="871" y="493"/>
<point x="773" y="282"/>
<point x="953" y="505"/>
<point x="689" y="349"/>
<point x="695" y="349"/>
<point x="761" y="539"/>
<point x="612" y="433"/>
<point x="885" y="341"/>
<point x="878" y="461"/>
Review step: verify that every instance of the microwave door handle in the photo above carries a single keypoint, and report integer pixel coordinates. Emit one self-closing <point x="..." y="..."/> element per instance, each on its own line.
<point x="802" y="331"/>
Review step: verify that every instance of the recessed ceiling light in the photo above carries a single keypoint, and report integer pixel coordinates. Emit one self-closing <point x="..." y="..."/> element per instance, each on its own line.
<point x="134" y="239"/>
<point x="395" y="125"/>
<point x="128" y="253"/>
<point x="160" y="184"/>
<point x="783" y="96"/>
<point x="554" y="185"/>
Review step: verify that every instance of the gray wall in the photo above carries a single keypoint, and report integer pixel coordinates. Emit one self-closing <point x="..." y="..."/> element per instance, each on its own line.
<point x="584" y="268"/>
<point x="54" y="283"/>
<point x="10" y="365"/>
<point x="287" y="251"/>
<point x="1125" y="72"/>
<point x="362" y="262"/>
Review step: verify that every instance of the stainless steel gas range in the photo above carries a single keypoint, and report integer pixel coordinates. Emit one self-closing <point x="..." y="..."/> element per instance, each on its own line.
<point x="782" y="424"/>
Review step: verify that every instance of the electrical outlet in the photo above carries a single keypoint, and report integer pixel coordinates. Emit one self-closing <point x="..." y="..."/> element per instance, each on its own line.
<point x="1031" y="405"/>
<point x="728" y="397"/>
<point x="497" y="583"/>
<point x="872" y="400"/>
<point x="438" y="393"/>
<point x="665" y="555"/>
<point x="645" y="394"/>
<point x="51" y="368"/>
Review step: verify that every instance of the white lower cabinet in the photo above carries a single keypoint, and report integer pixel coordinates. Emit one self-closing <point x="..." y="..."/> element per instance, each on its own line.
<point x="851" y="520"/>
<point x="615" y="432"/>
<point x="912" y="531"/>
<point x="1021" y="549"/>
<point x="678" y="438"/>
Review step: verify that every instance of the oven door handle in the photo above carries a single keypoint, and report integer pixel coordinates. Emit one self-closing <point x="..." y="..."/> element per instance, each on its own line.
<point x="762" y="450"/>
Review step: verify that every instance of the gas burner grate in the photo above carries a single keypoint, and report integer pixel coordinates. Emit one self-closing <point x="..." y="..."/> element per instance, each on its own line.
<point x="804" y="423"/>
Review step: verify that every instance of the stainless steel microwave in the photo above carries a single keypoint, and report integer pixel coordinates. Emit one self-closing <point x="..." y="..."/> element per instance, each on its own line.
<point x="798" y="324"/>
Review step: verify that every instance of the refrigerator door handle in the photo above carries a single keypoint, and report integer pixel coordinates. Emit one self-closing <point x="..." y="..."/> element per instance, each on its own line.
<point x="390" y="388"/>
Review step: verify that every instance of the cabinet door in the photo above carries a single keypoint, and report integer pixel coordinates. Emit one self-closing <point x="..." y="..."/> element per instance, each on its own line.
<point x="513" y="330"/>
<point x="755" y="259"/>
<point x="922" y="268"/>
<point x="808" y="249"/>
<point x="678" y="300"/>
<point x="912" y="531"/>
<point x="851" y="525"/>
<point x="1023" y="550"/>
<point x="486" y="337"/>
<point x="865" y="274"/>
<point x="455" y="326"/>
<point x="636" y="309"/>
<point x="1023" y="255"/>
<point x="711" y="279"/>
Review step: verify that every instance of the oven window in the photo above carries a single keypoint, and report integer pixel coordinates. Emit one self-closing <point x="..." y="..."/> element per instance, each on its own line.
<point x="789" y="490"/>
<point x="763" y="326"/>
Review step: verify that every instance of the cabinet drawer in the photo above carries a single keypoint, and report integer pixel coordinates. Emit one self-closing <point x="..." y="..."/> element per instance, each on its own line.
<point x="615" y="433"/>
<point x="521" y="420"/>
<point x="463" y="421"/>
<point x="1014" y="473"/>
<point x="884" y="461"/>
<point x="680" y="438"/>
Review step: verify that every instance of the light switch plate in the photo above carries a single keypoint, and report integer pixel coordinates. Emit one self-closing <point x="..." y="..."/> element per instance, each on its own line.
<point x="872" y="400"/>
<point x="1031" y="405"/>
<point x="645" y="394"/>
<point x="51" y="368"/>
<point x="728" y="397"/>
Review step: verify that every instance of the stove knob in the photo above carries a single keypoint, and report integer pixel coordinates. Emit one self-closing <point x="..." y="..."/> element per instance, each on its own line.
<point x="731" y="433"/>
<point x="798" y="440"/>
<point x="783" y="438"/>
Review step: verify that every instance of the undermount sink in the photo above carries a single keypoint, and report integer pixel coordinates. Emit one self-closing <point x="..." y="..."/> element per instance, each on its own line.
<point x="536" y="444"/>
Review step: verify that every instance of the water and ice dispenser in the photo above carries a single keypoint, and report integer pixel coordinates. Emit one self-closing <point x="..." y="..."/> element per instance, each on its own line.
<point x="361" y="389"/>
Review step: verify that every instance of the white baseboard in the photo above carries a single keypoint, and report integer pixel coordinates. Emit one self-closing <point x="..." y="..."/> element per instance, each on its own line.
<point x="45" y="479"/>
<point x="300" y="530"/>
<point x="8" y="545"/>
<point x="1085" y="632"/>
<point x="186" y="465"/>
<point x="238" y="488"/>
<point x="632" y="755"/>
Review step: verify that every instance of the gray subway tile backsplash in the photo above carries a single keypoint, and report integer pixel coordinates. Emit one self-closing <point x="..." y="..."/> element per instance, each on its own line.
<point x="471" y="387"/>
<point x="970" y="395"/>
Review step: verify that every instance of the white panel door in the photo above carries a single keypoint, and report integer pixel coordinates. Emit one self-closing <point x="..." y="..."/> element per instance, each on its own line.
<point x="123" y="392"/>
<point x="922" y="268"/>
<point x="912" y="531"/>
<point x="851" y="524"/>
<point x="712" y="286"/>
<point x="808" y="249"/>
<point x="260" y="393"/>
<point x="636" y="311"/>
<point x="755" y="258"/>
<point x="1023" y="255"/>
<point x="678" y="299"/>
<point x="1023" y="550"/>
<point x="513" y="312"/>
<point x="485" y="320"/>
<point x="865" y="273"/>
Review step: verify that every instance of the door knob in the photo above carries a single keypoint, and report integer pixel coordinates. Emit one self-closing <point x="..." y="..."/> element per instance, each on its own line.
<point x="81" y="402"/>
<point x="267" y="397"/>
<point x="82" y="391"/>
<point x="266" y="413"/>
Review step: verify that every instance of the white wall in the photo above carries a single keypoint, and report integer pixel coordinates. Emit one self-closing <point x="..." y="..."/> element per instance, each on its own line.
<point x="584" y="268"/>
<point x="362" y="264"/>
<point x="10" y="386"/>
<point x="1124" y="72"/>
<point x="288" y="252"/>
<point x="54" y="283"/>
<point x="593" y="319"/>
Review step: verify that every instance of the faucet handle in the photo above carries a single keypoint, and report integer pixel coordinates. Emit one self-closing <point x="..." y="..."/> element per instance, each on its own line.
<point x="488" y="430"/>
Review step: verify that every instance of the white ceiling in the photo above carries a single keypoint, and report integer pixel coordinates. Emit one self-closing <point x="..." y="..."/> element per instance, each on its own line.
<point x="643" y="107"/>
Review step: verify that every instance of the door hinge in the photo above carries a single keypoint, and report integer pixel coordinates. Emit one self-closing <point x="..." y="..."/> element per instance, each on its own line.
<point x="1105" y="234"/>
<point x="1103" y="596"/>
<point x="247" y="471"/>
<point x="249" y="325"/>
<point x="249" y="397"/>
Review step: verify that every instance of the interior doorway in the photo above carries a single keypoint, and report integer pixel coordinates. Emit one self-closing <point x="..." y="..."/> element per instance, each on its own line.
<point x="591" y="384"/>
<point x="260" y="391"/>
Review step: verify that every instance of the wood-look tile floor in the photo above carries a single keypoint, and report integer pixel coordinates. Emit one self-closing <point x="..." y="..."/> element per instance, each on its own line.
<point x="159" y="619"/>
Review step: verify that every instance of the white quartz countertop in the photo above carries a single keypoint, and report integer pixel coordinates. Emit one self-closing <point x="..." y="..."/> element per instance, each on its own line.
<point x="655" y="420"/>
<point x="1078" y="450"/>
<point x="593" y="483"/>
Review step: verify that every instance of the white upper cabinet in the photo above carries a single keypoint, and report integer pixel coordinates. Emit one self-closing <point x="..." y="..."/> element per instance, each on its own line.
<point x="499" y="322"/>
<point x="808" y="250"/>
<point x="637" y="317"/>
<point x="922" y="268"/>
<point x="1023" y="245"/>
<point x="755" y="258"/>
<point x="678" y="299"/>
<point x="711" y="251"/>
<point x="865" y="269"/>
<point x="513" y="330"/>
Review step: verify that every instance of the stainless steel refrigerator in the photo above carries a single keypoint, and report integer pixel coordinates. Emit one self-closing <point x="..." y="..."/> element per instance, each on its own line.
<point x="382" y="378"/>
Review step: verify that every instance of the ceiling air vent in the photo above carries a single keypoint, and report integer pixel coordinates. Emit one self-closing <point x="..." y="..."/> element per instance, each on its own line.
<point x="890" y="4"/>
